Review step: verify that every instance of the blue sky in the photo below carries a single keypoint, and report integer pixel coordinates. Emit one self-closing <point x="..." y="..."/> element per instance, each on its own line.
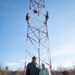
<point x="13" y="28"/>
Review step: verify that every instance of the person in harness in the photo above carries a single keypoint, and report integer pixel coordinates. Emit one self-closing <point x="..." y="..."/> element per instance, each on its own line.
<point x="28" y="18"/>
<point x="36" y="11"/>
<point x="46" y="17"/>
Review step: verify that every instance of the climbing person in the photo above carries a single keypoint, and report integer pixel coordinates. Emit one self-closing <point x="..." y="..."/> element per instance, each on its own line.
<point x="36" y="11"/>
<point x="43" y="71"/>
<point x="28" y="18"/>
<point x="32" y="68"/>
<point x="46" y="17"/>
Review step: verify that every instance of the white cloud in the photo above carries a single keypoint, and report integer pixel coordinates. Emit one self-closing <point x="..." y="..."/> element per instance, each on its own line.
<point x="27" y="60"/>
<point x="66" y="49"/>
<point x="13" y="64"/>
<point x="68" y="65"/>
<point x="23" y="60"/>
<point x="63" y="56"/>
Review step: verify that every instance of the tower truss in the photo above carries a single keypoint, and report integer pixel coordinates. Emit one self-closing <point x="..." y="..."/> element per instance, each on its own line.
<point x="36" y="4"/>
<point x="37" y="40"/>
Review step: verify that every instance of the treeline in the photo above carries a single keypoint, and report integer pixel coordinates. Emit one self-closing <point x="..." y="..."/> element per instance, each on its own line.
<point x="18" y="72"/>
<point x="11" y="72"/>
<point x="67" y="72"/>
<point x="60" y="71"/>
<point x="6" y="71"/>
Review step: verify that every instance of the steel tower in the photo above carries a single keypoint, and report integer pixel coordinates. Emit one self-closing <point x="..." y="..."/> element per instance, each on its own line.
<point x="37" y="39"/>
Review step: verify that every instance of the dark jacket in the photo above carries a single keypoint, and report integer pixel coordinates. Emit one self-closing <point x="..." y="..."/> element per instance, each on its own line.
<point x="32" y="69"/>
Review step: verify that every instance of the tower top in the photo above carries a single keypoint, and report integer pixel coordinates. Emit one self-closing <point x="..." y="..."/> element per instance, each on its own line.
<point x="36" y="5"/>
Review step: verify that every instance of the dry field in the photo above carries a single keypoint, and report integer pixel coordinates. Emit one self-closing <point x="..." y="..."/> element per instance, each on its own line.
<point x="6" y="72"/>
